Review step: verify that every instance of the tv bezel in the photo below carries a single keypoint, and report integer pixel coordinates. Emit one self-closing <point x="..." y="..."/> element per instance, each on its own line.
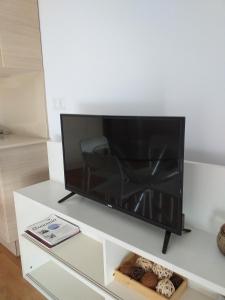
<point x="75" y="190"/>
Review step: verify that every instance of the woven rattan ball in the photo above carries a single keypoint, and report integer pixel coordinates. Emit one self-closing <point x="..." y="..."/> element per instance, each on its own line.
<point x="144" y="263"/>
<point x="165" y="288"/>
<point x="161" y="272"/>
<point x="221" y="239"/>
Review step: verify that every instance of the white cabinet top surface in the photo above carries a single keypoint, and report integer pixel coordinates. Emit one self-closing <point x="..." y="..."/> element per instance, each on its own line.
<point x="194" y="255"/>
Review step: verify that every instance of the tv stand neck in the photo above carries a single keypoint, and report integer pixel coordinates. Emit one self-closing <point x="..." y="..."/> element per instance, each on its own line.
<point x="66" y="197"/>
<point x="166" y="241"/>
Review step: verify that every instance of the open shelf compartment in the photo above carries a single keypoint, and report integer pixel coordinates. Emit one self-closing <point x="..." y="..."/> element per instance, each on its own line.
<point x="51" y="277"/>
<point x="60" y="285"/>
<point x="113" y="256"/>
<point x="80" y="253"/>
<point x="94" y="261"/>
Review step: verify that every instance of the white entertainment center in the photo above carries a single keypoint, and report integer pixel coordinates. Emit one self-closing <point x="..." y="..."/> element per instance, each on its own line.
<point x="83" y="266"/>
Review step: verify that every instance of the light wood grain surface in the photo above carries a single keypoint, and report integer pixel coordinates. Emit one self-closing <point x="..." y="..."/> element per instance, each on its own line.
<point x="12" y="285"/>
<point x="14" y="141"/>
<point x="19" y="167"/>
<point x="20" y="41"/>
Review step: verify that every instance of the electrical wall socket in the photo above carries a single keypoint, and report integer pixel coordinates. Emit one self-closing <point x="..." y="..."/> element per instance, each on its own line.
<point x="59" y="103"/>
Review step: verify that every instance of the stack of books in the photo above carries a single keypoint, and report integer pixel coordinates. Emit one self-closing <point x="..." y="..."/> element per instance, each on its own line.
<point x="52" y="231"/>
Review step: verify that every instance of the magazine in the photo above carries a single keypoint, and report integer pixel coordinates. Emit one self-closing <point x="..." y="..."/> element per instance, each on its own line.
<point x="52" y="230"/>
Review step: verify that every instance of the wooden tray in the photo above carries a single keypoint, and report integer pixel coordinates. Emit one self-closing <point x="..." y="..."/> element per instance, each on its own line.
<point x="145" y="291"/>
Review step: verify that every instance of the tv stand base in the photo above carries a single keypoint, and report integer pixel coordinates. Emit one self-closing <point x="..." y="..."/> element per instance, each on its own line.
<point x="185" y="230"/>
<point x="167" y="239"/>
<point x="66" y="197"/>
<point x="167" y="233"/>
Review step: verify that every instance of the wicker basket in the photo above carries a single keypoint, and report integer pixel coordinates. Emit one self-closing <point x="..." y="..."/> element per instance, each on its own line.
<point x="146" y="292"/>
<point x="221" y="239"/>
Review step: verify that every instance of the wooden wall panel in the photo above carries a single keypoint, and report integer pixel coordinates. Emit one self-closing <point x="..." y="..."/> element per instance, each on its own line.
<point x="24" y="12"/>
<point x="20" y="35"/>
<point x="21" y="51"/>
<point x="20" y="167"/>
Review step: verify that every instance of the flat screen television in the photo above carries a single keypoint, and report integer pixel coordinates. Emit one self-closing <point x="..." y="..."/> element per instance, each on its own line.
<point x="133" y="164"/>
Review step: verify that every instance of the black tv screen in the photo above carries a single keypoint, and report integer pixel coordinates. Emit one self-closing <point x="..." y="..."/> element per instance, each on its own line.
<point x="132" y="164"/>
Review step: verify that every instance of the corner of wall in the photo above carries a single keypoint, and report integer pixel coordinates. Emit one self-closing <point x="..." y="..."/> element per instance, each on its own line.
<point x="55" y="161"/>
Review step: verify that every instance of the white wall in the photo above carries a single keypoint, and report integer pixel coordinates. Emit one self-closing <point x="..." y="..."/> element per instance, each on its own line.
<point x="139" y="57"/>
